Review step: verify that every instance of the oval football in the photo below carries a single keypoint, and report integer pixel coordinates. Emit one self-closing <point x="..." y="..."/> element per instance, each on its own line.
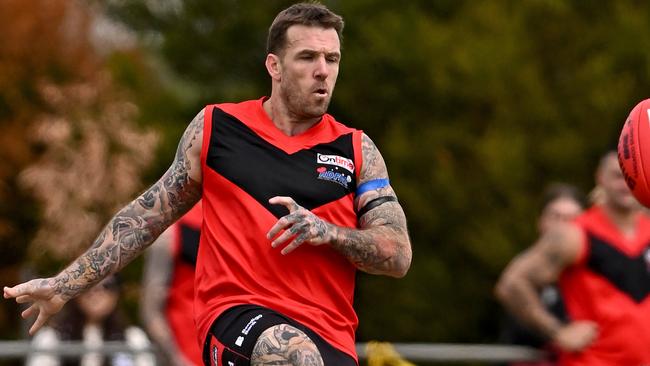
<point x="634" y="151"/>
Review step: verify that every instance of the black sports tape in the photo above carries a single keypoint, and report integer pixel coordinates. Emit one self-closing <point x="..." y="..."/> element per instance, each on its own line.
<point x="374" y="203"/>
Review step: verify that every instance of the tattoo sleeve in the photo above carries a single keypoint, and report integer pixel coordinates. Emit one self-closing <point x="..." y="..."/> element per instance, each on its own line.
<point x="381" y="245"/>
<point x="138" y="224"/>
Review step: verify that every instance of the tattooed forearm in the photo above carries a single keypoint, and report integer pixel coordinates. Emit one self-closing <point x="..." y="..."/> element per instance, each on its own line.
<point x="285" y="345"/>
<point x="381" y="246"/>
<point x="138" y="224"/>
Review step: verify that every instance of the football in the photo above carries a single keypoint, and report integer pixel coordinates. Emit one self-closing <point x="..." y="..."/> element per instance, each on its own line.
<point x="634" y="152"/>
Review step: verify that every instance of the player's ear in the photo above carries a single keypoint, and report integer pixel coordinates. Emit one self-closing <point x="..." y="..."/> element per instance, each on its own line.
<point x="273" y="66"/>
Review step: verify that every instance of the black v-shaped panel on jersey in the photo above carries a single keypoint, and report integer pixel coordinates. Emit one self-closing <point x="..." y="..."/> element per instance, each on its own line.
<point x="264" y="171"/>
<point x="631" y="275"/>
<point x="189" y="250"/>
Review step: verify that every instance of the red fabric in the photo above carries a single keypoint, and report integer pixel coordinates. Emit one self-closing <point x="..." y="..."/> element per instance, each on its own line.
<point x="237" y="265"/>
<point x="624" y="325"/>
<point x="181" y="292"/>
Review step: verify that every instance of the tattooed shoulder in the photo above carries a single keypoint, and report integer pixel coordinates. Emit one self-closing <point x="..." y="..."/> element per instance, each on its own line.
<point x="373" y="165"/>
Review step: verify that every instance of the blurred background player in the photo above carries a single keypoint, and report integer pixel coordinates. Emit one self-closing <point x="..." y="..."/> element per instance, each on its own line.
<point x="93" y="318"/>
<point x="602" y="265"/>
<point x="561" y="203"/>
<point x="168" y="290"/>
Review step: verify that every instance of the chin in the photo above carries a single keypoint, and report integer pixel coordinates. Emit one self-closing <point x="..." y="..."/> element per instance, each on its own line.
<point x="315" y="112"/>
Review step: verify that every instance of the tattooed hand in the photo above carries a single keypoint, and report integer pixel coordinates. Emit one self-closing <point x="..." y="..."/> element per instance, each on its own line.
<point x="41" y="293"/>
<point x="300" y="224"/>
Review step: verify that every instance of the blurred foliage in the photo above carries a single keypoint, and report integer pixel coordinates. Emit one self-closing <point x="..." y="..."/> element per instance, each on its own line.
<point x="475" y="105"/>
<point x="73" y="150"/>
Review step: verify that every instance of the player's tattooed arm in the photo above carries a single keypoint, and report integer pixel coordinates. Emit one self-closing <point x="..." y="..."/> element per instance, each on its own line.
<point x="126" y="235"/>
<point x="138" y="224"/>
<point x="381" y="245"/>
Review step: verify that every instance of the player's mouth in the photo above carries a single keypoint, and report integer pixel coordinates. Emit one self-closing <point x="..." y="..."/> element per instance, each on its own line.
<point x="321" y="92"/>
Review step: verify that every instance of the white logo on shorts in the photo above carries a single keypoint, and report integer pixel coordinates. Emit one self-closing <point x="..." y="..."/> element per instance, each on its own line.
<point x="239" y="341"/>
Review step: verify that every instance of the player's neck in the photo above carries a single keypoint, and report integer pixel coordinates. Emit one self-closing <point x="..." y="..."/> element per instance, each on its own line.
<point x="283" y="119"/>
<point x="624" y="218"/>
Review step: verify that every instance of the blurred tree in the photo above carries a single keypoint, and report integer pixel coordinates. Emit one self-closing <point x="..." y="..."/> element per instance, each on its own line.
<point x="72" y="147"/>
<point x="475" y="106"/>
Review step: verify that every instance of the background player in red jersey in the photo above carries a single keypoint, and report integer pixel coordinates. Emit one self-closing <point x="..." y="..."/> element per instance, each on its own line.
<point x="168" y="290"/>
<point x="561" y="204"/>
<point x="280" y="242"/>
<point x="601" y="262"/>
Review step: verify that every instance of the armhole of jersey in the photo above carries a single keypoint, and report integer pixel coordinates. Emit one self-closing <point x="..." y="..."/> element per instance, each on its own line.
<point x="207" y="130"/>
<point x="584" y="250"/>
<point x="358" y="153"/>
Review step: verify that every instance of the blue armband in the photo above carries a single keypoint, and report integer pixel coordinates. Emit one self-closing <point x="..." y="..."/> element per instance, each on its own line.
<point x="371" y="185"/>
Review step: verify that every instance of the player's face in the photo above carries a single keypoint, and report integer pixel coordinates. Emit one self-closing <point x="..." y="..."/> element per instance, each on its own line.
<point x="560" y="210"/>
<point x="309" y="68"/>
<point x="617" y="193"/>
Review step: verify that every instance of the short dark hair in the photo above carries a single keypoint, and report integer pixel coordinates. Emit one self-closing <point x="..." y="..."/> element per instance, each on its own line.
<point x="558" y="190"/>
<point x="311" y="14"/>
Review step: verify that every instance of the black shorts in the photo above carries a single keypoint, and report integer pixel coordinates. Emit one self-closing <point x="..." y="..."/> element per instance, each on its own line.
<point x="233" y="335"/>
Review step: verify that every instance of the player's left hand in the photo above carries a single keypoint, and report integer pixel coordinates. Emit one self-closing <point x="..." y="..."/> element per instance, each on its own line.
<point x="43" y="297"/>
<point x="300" y="224"/>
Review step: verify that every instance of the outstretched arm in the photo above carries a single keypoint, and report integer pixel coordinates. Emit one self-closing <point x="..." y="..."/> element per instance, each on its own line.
<point x="126" y="235"/>
<point x="381" y="245"/>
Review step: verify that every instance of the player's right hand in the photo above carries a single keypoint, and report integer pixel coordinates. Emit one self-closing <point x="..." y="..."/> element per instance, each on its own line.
<point x="576" y="336"/>
<point x="42" y="295"/>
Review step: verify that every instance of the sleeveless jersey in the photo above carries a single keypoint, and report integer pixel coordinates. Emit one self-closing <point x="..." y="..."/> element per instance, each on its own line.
<point x="246" y="161"/>
<point x="181" y="290"/>
<point x="609" y="285"/>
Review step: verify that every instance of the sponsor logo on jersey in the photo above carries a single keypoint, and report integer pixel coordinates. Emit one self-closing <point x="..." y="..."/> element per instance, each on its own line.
<point x="336" y="160"/>
<point x="334" y="176"/>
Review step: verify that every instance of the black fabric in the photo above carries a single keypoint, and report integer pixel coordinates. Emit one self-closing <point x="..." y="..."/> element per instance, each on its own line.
<point x="239" y="327"/>
<point x="375" y="203"/>
<point x="631" y="275"/>
<point x="189" y="244"/>
<point x="263" y="171"/>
